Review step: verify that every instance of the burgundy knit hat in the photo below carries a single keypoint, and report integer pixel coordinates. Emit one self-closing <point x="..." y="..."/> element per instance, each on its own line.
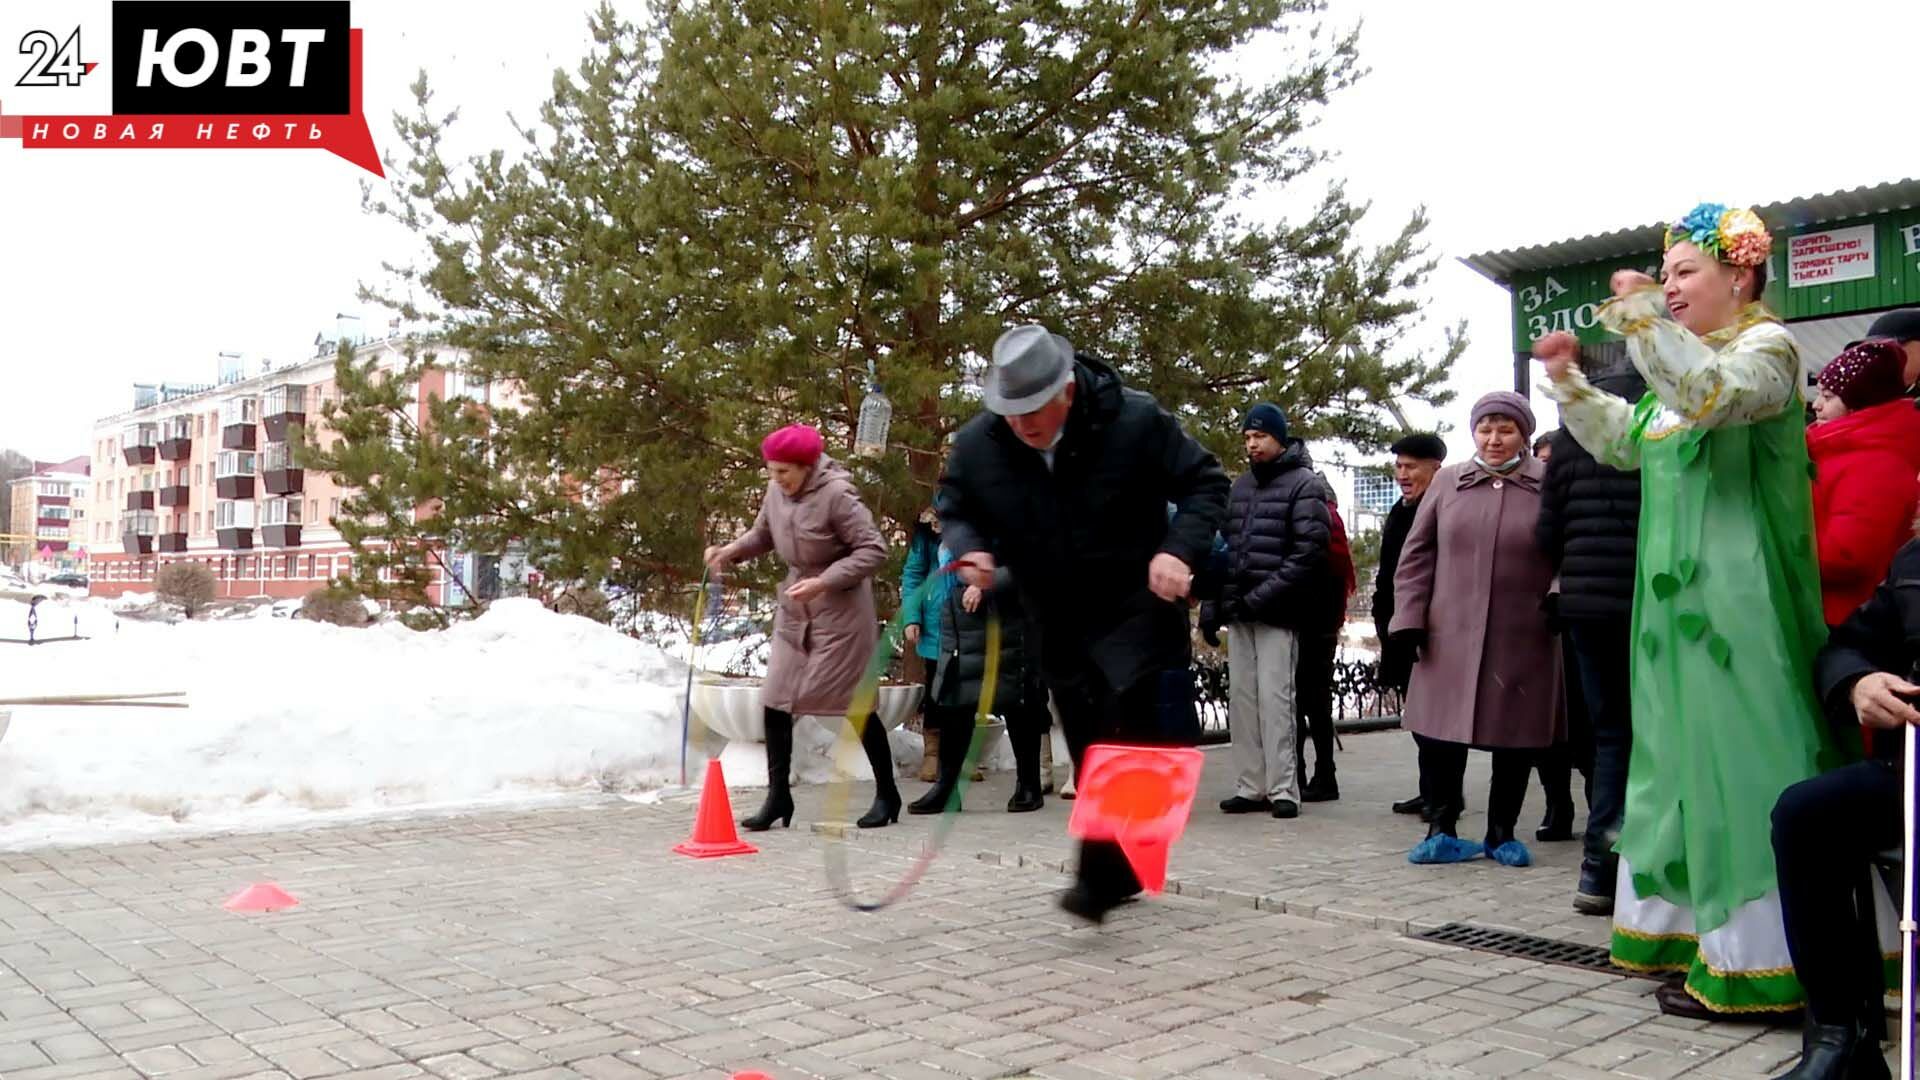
<point x="795" y="444"/>
<point x="1866" y="374"/>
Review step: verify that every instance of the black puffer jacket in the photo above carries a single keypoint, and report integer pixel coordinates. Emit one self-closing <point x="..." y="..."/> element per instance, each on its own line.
<point x="1278" y="531"/>
<point x="1078" y="537"/>
<point x="1396" y="657"/>
<point x="1590" y="521"/>
<point x="963" y="651"/>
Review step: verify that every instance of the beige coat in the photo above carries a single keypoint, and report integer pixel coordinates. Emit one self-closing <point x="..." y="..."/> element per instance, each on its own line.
<point x="1473" y="577"/>
<point x="820" y="648"/>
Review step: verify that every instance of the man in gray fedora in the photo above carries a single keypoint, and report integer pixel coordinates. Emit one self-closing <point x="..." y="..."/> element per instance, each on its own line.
<point x="1065" y="480"/>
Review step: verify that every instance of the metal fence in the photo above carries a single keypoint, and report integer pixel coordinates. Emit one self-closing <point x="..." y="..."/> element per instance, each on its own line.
<point x="1358" y="693"/>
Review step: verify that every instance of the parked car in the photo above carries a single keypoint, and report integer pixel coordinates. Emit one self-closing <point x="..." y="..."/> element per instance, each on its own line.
<point x="70" y="580"/>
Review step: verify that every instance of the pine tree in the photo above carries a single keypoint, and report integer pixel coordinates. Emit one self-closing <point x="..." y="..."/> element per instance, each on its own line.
<point x="726" y="216"/>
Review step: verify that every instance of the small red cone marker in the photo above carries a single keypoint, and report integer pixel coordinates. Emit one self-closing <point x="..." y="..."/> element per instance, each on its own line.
<point x="264" y="896"/>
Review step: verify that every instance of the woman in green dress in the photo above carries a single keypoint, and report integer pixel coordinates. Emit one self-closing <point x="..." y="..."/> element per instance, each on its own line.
<point x="1726" y="611"/>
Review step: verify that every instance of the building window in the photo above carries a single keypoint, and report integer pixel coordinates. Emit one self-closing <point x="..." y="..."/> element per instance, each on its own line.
<point x="310" y="564"/>
<point x="313" y="510"/>
<point x="196" y="523"/>
<point x="334" y="512"/>
<point x="196" y="476"/>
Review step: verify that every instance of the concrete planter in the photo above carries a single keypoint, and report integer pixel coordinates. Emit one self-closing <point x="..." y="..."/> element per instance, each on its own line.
<point x="730" y="708"/>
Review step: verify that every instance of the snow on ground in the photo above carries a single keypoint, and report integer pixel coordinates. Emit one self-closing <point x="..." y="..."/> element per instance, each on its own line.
<point x="292" y="720"/>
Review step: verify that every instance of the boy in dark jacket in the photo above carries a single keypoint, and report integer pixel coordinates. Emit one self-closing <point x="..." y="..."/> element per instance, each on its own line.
<point x="1277" y="531"/>
<point x="1589" y="528"/>
<point x="1416" y="458"/>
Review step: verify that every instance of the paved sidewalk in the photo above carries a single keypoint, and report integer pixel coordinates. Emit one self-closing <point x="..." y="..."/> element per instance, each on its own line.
<point x="570" y="942"/>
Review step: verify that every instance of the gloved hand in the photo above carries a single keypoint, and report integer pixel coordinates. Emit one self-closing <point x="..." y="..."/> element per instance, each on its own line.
<point x="1414" y="641"/>
<point x="1550" y="607"/>
<point x="1210" y="622"/>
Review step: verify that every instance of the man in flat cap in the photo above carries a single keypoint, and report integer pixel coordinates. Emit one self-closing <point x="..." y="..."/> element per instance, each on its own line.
<point x="1065" y="479"/>
<point x="1902" y="328"/>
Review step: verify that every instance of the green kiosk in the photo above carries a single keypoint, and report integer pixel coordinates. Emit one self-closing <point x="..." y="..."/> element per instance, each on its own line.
<point x="1838" y="260"/>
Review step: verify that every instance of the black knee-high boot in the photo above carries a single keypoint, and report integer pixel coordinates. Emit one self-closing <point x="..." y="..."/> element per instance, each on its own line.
<point x="956" y="736"/>
<point x="886" y="794"/>
<point x="779" y="804"/>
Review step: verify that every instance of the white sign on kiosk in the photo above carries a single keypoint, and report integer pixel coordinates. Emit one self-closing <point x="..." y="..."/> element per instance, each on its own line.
<point x="1830" y="255"/>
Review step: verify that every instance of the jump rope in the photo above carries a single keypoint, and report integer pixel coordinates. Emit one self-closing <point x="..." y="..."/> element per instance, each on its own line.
<point x="859" y="714"/>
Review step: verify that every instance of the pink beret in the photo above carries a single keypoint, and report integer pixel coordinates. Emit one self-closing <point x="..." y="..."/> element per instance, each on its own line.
<point x="795" y="444"/>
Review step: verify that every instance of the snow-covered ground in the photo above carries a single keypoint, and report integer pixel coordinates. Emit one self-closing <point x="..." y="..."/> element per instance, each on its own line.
<point x="292" y="720"/>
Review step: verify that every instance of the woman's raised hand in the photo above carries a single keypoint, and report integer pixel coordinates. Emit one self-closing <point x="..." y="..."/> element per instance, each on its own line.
<point x="1626" y="281"/>
<point x="1559" y="352"/>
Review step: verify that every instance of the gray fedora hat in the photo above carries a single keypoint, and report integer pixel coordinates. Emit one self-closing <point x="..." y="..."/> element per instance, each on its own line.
<point x="1030" y="366"/>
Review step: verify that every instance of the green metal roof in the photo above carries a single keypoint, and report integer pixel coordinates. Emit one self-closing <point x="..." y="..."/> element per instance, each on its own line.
<point x="1793" y="215"/>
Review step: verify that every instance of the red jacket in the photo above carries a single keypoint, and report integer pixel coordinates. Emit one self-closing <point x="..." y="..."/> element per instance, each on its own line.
<point x="1865" y="488"/>
<point x="1340" y="559"/>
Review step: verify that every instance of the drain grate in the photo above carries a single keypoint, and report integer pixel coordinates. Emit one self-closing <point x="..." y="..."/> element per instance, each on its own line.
<point x="1525" y="946"/>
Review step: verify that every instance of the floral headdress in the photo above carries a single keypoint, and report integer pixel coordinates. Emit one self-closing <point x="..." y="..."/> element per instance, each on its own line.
<point x="1736" y="237"/>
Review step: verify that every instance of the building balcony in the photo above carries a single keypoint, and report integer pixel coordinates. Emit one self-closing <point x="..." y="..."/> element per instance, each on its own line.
<point x="45" y="522"/>
<point x="233" y="487"/>
<point x="280" y="536"/>
<point x="145" y="454"/>
<point x="172" y="542"/>
<point x="239" y="436"/>
<point x="176" y="449"/>
<point x="174" y="495"/>
<point x="284" y="481"/>
<point x="136" y="543"/>
<point x="140" y="500"/>
<point x="234" y="539"/>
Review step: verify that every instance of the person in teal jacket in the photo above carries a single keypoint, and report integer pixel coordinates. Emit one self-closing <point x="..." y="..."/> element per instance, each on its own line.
<point x="922" y="616"/>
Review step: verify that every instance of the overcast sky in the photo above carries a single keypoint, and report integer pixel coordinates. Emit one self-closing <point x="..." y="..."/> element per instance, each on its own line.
<point x="1513" y="122"/>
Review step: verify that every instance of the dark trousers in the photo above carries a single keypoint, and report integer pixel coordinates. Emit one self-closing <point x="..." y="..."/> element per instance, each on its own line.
<point x="1443" y="777"/>
<point x="1825" y="832"/>
<point x="1027" y="725"/>
<point x="1156" y="710"/>
<point x="1602" y="658"/>
<point x="1313" y="702"/>
<point x="1558" y="762"/>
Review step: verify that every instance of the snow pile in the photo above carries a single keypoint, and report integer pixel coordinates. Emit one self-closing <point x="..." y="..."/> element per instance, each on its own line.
<point x="291" y="719"/>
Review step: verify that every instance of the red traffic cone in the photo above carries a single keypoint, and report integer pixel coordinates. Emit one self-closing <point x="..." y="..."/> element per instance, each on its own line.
<point x="1138" y="796"/>
<point x="713" y="832"/>
<point x="264" y="896"/>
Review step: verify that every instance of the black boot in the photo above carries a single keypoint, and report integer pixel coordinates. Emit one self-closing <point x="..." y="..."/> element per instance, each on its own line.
<point x="886" y="794"/>
<point x="1558" y="824"/>
<point x="779" y="804"/>
<point x="1597" y="878"/>
<point x="956" y="737"/>
<point x="1323" y="787"/>
<point x="1837" y="1053"/>
<point x="1024" y="731"/>
<point x="1444" y="821"/>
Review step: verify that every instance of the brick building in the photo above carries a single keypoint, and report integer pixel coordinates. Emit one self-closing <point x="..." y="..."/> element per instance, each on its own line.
<point x="206" y="474"/>
<point x="49" y="505"/>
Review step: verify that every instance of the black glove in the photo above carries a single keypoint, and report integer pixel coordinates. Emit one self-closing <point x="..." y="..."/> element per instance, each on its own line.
<point x="1210" y="623"/>
<point x="1551" y="608"/>
<point x="1414" y="641"/>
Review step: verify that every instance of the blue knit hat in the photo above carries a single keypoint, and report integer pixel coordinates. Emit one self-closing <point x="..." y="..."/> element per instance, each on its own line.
<point x="1266" y="417"/>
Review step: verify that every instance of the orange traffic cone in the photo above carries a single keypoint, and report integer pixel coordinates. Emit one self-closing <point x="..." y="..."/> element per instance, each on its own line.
<point x="713" y="833"/>
<point x="265" y="896"/>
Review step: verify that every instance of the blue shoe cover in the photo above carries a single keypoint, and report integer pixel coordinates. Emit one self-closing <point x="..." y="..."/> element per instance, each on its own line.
<point x="1445" y="849"/>
<point x="1511" y="853"/>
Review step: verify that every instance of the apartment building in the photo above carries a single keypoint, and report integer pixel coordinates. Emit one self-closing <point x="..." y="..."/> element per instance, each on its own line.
<point x="206" y="474"/>
<point x="47" y="514"/>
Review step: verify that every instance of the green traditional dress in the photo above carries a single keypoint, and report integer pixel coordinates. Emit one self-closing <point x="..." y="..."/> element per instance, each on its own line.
<point x="1726" y="622"/>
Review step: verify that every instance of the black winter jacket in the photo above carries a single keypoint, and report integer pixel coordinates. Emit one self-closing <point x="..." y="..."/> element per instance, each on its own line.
<point x="963" y="651"/>
<point x="1882" y="634"/>
<point x="1278" y="531"/>
<point x="1078" y="537"/>
<point x="1590" y="521"/>
<point x="1396" y="657"/>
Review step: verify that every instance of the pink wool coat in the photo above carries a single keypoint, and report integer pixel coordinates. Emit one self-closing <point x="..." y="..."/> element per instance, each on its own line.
<point x="821" y="647"/>
<point x="1472" y="576"/>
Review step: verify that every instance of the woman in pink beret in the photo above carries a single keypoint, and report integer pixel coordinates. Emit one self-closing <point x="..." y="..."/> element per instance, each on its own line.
<point x="825" y="628"/>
